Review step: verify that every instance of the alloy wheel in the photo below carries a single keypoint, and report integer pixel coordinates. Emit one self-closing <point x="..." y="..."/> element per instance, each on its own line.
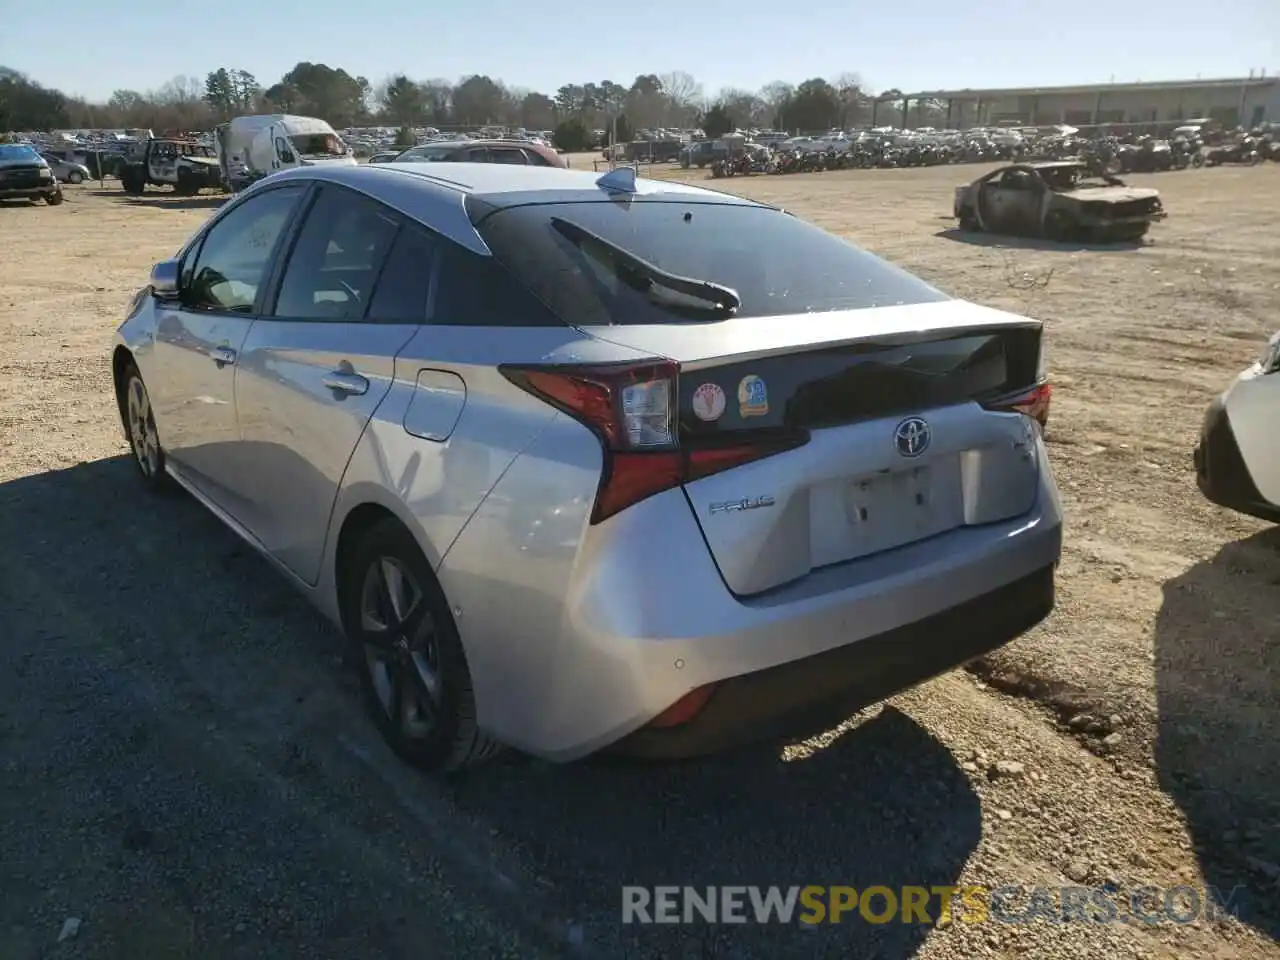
<point x="400" y="648"/>
<point x="142" y="428"/>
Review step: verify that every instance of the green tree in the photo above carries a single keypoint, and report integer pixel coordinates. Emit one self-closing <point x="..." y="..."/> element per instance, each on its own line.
<point x="814" y="107"/>
<point x="219" y="91"/>
<point x="716" y="122"/>
<point x="571" y="136"/>
<point x="402" y="100"/>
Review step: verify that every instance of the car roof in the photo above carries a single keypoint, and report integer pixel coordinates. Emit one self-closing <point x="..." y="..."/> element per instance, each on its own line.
<point x="435" y="194"/>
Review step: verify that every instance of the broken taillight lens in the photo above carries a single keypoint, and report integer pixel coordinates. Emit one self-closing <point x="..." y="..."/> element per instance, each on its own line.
<point x="632" y="408"/>
<point x="1033" y="403"/>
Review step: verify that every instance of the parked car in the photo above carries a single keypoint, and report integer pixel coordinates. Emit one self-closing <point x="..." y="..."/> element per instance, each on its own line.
<point x="386" y="156"/>
<point x="24" y="175"/>
<point x="1057" y="199"/>
<point x="699" y="153"/>
<point x="515" y="152"/>
<point x="67" y="171"/>
<point x="656" y="476"/>
<point x="1237" y="459"/>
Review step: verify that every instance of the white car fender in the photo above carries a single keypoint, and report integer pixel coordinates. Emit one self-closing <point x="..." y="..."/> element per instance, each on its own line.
<point x="1252" y="402"/>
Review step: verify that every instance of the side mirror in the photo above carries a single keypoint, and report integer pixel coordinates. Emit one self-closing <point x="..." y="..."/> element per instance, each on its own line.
<point x="164" y="279"/>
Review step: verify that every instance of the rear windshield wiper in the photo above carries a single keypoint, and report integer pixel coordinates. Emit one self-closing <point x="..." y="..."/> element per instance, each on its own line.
<point x="642" y="275"/>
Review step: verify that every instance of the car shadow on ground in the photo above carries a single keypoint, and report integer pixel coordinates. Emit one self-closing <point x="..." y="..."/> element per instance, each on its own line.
<point x="166" y="201"/>
<point x="881" y="803"/>
<point x="1217" y="658"/>
<point x="1010" y="242"/>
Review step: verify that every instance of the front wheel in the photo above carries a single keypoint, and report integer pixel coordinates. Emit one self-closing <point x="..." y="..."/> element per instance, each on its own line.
<point x="75" y="176"/>
<point x="969" y="221"/>
<point x="53" y="199"/>
<point x="140" y="429"/>
<point x="413" y="671"/>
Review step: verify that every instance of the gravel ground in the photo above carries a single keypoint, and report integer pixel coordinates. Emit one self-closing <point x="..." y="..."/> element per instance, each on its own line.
<point x="187" y="771"/>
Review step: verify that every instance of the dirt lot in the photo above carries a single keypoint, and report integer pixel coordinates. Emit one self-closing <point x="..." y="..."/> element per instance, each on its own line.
<point x="188" y="773"/>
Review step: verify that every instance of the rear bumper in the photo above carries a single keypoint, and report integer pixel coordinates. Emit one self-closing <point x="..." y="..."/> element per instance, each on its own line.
<point x="810" y="695"/>
<point x="578" y="636"/>
<point x="1221" y="473"/>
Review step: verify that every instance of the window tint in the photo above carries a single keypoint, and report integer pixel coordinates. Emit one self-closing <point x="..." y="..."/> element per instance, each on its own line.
<point x="428" y="153"/>
<point x="478" y="291"/>
<point x="476" y="155"/>
<point x="777" y="263"/>
<point x="400" y="295"/>
<point x="536" y="159"/>
<point x="336" y="259"/>
<point x="226" y="270"/>
<point x="507" y="155"/>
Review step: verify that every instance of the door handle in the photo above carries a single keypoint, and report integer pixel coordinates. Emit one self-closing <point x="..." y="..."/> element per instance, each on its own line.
<point x="347" y="383"/>
<point x="222" y="356"/>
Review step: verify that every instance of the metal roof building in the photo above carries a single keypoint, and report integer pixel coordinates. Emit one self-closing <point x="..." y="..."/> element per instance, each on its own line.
<point x="1246" y="101"/>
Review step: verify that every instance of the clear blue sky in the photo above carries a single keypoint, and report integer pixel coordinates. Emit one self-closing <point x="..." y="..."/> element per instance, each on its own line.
<point x="89" y="48"/>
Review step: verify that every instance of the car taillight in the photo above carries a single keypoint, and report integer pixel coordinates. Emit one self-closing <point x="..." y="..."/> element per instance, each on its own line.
<point x="1034" y="403"/>
<point x="632" y="410"/>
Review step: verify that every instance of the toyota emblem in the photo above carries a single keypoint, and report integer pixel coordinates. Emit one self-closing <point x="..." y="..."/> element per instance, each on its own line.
<point x="912" y="437"/>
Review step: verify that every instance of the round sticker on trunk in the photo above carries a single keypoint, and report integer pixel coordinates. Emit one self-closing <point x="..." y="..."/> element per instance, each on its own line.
<point x="708" y="402"/>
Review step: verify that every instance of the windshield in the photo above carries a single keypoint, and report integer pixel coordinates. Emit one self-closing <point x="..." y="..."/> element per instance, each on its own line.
<point x="1076" y="178"/>
<point x="319" y="145"/>
<point x="770" y="262"/>
<point x="18" y="151"/>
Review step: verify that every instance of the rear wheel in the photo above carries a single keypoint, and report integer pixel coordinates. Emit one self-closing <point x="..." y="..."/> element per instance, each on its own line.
<point x="413" y="672"/>
<point x="1058" y="226"/>
<point x="132" y="182"/>
<point x="75" y="176"/>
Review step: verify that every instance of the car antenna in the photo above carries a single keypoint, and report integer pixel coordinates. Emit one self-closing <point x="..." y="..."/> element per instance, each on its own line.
<point x="619" y="180"/>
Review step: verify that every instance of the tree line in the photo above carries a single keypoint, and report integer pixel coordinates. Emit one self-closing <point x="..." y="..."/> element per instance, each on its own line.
<point x="674" y="100"/>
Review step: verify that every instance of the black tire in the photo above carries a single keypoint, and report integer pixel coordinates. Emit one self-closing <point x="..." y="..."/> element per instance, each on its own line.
<point x="75" y="176"/>
<point x="53" y="199"/>
<point x="969" y="221"/>
<point x="138" y="420"/>
<point x="1058" y="226"/>
<point x="186" y="186"/>
<point x="132" y="182"/>
<point x="420" y="656"/>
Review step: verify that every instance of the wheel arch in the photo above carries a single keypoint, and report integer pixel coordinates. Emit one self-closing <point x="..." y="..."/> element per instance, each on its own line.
<point x="357" y="522"/>
<point x="121" y="360"/>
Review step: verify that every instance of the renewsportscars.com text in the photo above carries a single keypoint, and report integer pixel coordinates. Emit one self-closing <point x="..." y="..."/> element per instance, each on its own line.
<point x="1012" y="903"/>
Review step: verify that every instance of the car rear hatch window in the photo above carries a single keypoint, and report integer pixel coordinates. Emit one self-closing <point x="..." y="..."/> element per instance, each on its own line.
<point x="776" y="263"/>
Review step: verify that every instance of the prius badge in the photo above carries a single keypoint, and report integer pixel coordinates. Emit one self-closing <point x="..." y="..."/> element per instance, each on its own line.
<point x="912" y="437"/>
<point x="737" y="506"/>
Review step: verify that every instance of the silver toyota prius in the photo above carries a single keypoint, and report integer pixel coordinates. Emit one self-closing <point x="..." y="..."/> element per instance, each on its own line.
<point x="584" y="462"/>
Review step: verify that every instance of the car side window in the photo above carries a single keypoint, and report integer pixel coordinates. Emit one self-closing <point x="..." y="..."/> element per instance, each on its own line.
<point x="226" y="269"/>
<point x="334" y="262"/>
<point x="476" y="291"/>
<point x="507" y="155"/>
<point x="477" y="155"/>
<point x="400" y="295"/>
<point x="535" y="159"/>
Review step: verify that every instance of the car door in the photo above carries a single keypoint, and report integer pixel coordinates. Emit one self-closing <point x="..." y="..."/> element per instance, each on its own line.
<point x="199" y="335"/>
<point x="314" y="368"/>
<point x="1010" y="202"/>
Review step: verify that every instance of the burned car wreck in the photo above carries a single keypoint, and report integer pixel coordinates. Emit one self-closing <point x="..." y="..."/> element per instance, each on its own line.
<point x="1059" y="200"/>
